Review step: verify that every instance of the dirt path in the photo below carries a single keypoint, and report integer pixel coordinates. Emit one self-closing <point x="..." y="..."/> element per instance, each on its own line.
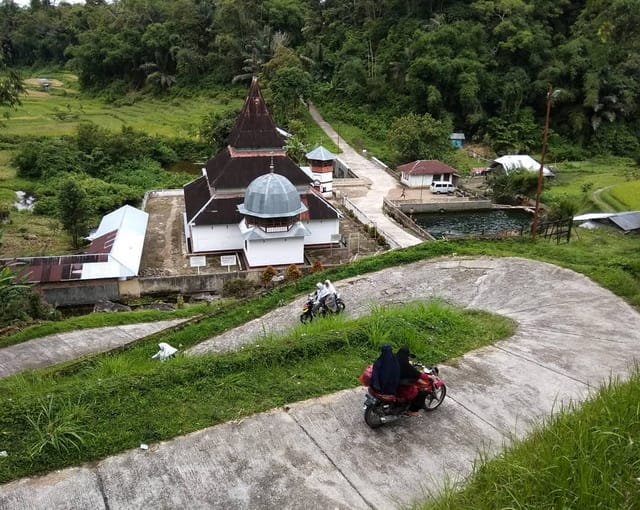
<point x="163" y="253"/>
<point x="601" y="204"/>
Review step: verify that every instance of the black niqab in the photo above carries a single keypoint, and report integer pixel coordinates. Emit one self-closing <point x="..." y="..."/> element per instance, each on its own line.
<point x="408" y="373"/>
<point x="386" y="372"/>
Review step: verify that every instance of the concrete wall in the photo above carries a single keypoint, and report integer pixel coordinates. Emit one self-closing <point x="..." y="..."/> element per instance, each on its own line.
<point x="391" y="209"/>
<point x="321" y="231"/>
<point x="445" y="204"/>
<point x="185" y="284"/>
<point x="79" y="293"/>
<point x="275" y="252"/>
<point x="207" y="238"/>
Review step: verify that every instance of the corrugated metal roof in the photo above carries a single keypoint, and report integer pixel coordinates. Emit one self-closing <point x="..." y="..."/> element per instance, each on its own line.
<point x="627" y="221"/>
<point x="115" y="252"/>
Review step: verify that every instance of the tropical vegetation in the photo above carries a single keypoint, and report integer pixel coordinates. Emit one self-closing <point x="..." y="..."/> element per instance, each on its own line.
<point x="484" y="66"/>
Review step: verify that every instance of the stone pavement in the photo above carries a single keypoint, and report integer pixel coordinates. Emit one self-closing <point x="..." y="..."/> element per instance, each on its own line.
<point x="61" y="347"/>
<point x="381" y="184"/>
<point x="571" y="336"/>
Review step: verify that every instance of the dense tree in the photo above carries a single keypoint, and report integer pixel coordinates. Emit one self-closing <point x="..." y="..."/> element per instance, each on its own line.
<point x="74" y="209"/>
<point x="481" y="63"/>
<point x="416" y="137"/>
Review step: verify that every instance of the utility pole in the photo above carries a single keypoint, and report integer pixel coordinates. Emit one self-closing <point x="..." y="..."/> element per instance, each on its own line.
<point x="536" y="214"/>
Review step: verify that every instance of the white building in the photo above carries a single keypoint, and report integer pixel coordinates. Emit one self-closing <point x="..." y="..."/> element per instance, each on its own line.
<point x="423" y="172"/>
<point x="222" y="211"/>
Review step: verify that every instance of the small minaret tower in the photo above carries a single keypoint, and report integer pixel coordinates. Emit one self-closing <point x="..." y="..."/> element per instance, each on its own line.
<point x="321" y="162"/>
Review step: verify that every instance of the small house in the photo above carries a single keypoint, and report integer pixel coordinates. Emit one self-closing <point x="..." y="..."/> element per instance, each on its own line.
<point x="424" y="172"/>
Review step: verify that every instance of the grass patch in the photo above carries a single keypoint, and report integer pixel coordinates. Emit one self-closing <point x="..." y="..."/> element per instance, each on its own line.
<point x="47" y="114"/>
<point x="124" y="399"/>
<point x="627" y="194"/>
<point x="586" y="457"/>
<point x="98" y="320"/>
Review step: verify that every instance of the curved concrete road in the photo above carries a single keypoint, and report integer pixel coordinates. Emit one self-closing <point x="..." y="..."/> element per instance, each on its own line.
<point x="571" y="336"/>
<point x="381" y="184"/>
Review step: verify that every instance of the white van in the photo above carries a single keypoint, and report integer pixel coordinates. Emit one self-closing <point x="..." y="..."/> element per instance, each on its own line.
<point x="442" y="187"/>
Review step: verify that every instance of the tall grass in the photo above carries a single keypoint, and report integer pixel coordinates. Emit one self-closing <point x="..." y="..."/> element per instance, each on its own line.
<point x="584" y="457"/>
<point x="130" y="399"/>
<point x="57" y="428"/>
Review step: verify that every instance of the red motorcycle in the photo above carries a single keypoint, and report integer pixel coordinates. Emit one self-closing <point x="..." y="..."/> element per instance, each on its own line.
<point x="380" y="409"/>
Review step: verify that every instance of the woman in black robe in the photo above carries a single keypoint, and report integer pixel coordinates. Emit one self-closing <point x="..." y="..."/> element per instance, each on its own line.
<point x="386" y="372"/>
<point x="410" y="377"/>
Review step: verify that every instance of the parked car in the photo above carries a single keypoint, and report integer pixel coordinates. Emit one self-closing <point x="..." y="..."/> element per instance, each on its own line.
<point x="442" y="187"/>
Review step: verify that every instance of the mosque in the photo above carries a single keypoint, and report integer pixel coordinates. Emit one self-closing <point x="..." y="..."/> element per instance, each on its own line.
<point x="255" y="201"/>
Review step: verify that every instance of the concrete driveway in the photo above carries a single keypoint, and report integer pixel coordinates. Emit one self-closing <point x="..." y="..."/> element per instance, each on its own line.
<point x="572" y="335"/>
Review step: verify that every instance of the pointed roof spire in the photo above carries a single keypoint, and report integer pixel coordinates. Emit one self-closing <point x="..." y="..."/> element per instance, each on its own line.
<point x="255" y="128"/>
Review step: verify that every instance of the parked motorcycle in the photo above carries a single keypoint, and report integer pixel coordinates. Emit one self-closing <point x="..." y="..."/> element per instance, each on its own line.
<point x="381" y="409"/>
<point x="309" y="311"/>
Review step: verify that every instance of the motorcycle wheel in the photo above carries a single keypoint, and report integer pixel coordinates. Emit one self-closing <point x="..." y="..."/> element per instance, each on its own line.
<point x="340" y="305"/>
<point x="372" y="418"/>
<point x="306" y="317"/>
<point x="435" y="398"/>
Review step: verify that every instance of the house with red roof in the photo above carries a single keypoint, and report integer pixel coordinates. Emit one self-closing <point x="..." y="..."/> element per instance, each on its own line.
<point x="425" y="172"/>
<point x="266" y="226"/>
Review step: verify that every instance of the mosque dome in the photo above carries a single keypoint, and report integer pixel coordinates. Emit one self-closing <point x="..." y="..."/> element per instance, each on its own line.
<point x="271" y="196"/>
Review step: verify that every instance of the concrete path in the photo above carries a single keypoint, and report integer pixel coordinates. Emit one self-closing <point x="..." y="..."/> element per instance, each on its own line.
<point x="381" y="184"/>
<point x="572" y="335"/>
<point x="61" y="347"/>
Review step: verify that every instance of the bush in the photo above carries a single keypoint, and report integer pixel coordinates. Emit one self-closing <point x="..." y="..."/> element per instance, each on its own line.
<point x="267" y="275"/>
<point x="292" y="273"/>
<point x="316" y="267"/>
<point x="238" y="288"/>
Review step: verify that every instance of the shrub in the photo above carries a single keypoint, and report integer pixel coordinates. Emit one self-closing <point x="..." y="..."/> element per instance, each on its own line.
<point x="238" y="288"/>
<point x="316" y="267"/>
<point x="267" y="275"/>
<point x="293" y="273"/>
<point x="58" y="427"/>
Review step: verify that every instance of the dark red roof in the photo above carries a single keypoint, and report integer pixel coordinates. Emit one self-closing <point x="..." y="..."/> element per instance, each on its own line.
<point x="425" y="167"/>
<point x="254" y="128"/>
<point x="230" y="170"/>
<point x="54" y="268"/>
<point x="220" y="210"/>
<point x="196" y="196"/>
<point x="104" y="243"/>
<point x="318" y="208"/>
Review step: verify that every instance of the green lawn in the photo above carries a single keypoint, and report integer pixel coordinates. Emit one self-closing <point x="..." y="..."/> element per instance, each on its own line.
<point x="59" y="111"/>
<point x="599" y="184"/>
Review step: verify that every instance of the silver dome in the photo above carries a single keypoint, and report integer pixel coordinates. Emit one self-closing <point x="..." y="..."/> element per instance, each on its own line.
<point x="271" y="196"/>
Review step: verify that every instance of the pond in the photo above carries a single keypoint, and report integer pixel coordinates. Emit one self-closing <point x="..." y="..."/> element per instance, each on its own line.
<point x="462" y="223"/>
<point x="186" y="167"/>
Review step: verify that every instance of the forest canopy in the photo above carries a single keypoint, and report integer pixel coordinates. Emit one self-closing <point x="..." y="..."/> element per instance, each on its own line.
<point x="480" y="65"/>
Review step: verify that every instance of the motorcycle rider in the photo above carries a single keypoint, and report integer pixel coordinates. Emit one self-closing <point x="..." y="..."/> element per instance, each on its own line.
<point x="410" y="381"/>
<point x="331" y="297"/>
<point x="319" y="296"/>
<point x="385" y="376"/>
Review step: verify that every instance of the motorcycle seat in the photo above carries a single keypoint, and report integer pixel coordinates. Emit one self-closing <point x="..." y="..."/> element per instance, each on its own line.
<point x="385" y="397"/>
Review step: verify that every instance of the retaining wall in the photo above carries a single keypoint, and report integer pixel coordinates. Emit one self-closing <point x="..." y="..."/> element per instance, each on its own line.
<point x="453" y="204"/>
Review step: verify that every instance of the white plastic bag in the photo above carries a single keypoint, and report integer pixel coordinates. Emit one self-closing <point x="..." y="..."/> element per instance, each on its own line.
<point x="165" y="352"/>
